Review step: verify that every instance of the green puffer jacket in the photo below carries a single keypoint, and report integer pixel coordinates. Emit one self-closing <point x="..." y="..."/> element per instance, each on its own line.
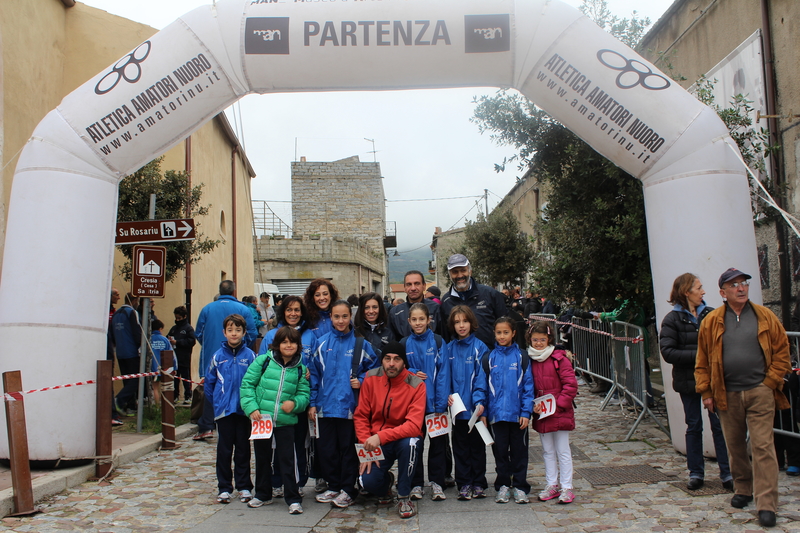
<point x="261" y="387"/>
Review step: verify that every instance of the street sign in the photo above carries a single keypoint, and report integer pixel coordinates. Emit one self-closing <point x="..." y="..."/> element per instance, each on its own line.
<point x="180" y="229"/>
<point x="149" y="269"/>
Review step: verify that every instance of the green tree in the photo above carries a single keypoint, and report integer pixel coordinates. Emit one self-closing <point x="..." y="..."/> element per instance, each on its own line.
<point x="592" y="236"/>
<point x="498" y="250"/>
<point x="174" y="199"/>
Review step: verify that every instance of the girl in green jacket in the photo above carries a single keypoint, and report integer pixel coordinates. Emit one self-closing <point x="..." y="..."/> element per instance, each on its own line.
<point x="276" y="388"/>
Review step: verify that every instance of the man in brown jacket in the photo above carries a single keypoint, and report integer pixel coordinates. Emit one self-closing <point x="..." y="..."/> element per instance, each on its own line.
<point x="746" y="390"/>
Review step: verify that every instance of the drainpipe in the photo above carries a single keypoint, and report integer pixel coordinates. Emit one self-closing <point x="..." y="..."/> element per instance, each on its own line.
<point x="775" y="164"/>
<point x="188" y="268"/>
<point x="233" y="209"/>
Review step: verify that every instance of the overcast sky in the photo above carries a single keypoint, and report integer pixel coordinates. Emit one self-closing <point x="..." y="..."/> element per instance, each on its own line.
<point x="423" y="139"/>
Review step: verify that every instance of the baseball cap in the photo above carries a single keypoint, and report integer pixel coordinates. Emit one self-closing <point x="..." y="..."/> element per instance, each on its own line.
<point x="457" y="260"/>
<point x="731" y="273"/>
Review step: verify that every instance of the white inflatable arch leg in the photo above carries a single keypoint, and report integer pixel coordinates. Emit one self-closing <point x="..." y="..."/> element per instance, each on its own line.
<point x="61" y="220"/>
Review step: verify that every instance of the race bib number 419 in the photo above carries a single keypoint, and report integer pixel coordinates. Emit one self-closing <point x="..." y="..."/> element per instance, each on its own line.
<point x="437" y="424"/>
<point x="365" y="457"/>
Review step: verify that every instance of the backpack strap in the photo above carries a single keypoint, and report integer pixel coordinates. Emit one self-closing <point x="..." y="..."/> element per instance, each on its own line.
<point x="357" y="351"/>
<point x="266" y="364"/>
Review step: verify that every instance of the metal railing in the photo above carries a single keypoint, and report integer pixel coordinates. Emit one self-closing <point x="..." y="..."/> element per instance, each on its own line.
<point x="787" y="421"/>
<point x="266" y="222"/>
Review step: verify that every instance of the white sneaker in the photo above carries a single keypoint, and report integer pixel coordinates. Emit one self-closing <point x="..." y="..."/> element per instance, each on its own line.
<point x="502" y="495"/>
<point x="327" y="497"/>
<point x="417" y="493"/>
<point x="255" y="503"/>
<point x="520" y="496"/>
<point x="277" y="492"/>
<point x="295" y="508"/>
<point x="437" y="494"/>
<point x="224" y="497"/>
<point x="343" y="500"/>
<point x="245" y="496"/>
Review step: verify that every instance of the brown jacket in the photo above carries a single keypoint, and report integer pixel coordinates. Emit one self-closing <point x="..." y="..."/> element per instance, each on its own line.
<point x="708" y="371"/>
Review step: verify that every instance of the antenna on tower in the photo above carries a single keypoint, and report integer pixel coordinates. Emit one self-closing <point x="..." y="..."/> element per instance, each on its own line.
<point x="373" y="152"/>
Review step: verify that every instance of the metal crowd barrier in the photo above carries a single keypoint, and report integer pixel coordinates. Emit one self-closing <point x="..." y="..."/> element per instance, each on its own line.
<point x="591" y="345"/>
<point x="787" y="422"/>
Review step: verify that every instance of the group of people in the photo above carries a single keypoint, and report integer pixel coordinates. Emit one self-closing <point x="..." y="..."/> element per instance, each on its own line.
<point x="371" y="387"/>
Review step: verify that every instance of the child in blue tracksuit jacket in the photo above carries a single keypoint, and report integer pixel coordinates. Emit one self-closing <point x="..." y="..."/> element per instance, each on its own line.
<point x="159" y="343"/>
<point x="333" y="400"/>
<point x="507" y="395"/>
<point x="223" y="380"/>
<point x="428" y="359"/>
<point x="466" y="368"/>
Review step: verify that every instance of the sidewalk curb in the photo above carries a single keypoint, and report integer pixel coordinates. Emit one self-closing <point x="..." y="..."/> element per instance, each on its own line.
<point x="61" y="479"/>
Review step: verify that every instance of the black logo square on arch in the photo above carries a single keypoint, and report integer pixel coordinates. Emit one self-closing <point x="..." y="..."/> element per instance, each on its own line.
<point x="487" y="33"/>
<point x="266" y="35"/>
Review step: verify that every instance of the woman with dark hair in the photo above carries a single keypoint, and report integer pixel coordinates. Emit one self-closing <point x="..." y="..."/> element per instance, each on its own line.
<point x="678" y="344"/>
<point x="319" y="296"/>
<point x="371" y="322"/>
<point x="292" y="312"/>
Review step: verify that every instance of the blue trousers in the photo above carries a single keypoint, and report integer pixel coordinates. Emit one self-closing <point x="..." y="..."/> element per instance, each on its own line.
<point x="406" y="453"/>
<point x="693" y="414"/>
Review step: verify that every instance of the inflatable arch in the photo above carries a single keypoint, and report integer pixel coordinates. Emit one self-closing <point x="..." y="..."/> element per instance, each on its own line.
<point x="63" y="201"/>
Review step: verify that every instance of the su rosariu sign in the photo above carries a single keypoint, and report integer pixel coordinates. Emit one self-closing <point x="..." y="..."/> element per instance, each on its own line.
<point x="171" y="84"/>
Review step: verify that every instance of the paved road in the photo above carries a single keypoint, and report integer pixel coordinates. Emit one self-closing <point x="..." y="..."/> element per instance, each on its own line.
<point x="175" y="491"/>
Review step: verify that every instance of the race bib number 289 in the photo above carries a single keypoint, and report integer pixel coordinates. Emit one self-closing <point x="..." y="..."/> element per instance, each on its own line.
<point x="261" y="429"/>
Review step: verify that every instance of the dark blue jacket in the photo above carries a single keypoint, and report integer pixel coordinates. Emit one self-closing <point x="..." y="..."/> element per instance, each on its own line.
<point x="330" y="368"/>
<point x="127" y="332"/>
<point x="323" y="325"/>
<point x="507" y="394"/>
<point x="224" y="378"/>
<point x="209" y="327"/>
<point x="398" y="318"/>
<point x="378" y="336"/>
<point x="423" y="355"/>
<point x="487" y="304"/>
<point x="466" y="357"/>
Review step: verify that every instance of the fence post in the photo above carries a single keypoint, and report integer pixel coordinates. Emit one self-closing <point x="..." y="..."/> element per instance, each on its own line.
<point x="167" y="402"/>
<point x="18" y="445"/>
<point x="105" y="402"/>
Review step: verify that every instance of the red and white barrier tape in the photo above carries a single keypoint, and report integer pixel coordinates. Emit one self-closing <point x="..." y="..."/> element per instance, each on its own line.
<point x="633" y="340"/>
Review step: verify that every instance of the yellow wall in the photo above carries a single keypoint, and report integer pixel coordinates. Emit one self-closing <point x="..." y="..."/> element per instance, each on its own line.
<point x="49" y="50"/>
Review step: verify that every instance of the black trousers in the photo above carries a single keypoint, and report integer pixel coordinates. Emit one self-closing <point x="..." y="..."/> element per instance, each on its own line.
<point x="130" y="388"/>
<point x="279" y="448"/>
<point x="469" y="453"/>
<point x="511" y="455"/>
<point x="436" y="460"/>
<point x="233" y="442"/>
<point x="301" y="452"/>
<point x="336" y="454"/>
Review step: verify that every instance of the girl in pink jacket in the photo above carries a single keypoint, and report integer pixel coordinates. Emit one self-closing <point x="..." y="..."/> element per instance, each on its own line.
<point x="553" y="375"/>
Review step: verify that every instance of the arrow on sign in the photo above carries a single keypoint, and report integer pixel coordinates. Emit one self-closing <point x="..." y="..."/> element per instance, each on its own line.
<point x="185" y="228"/>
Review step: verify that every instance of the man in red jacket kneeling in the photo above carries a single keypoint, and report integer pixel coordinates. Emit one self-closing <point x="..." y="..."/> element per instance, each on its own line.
<point x="390" y="412"/>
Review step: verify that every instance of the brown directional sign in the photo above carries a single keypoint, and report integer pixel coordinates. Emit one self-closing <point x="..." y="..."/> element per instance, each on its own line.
<point x="149" y="269"/>
<point x="181" y="229"/>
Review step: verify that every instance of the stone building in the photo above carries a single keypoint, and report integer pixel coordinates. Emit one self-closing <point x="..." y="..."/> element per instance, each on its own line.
<point x="48" y="48"/>
<point x="751" y="48"/>
<point x="526" y="199"/>
<point x="338" y="228"/>
<point x="443" y="245"/>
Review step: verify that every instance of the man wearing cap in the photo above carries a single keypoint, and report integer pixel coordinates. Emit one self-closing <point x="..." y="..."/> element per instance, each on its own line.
<point x="746" y="390"/>
<point x="390" y="413"/>
<point x="487" y="303"/>
<point x="414" y="285"/>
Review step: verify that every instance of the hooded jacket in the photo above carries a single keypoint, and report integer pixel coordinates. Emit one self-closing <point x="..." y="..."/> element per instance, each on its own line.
<point x="393" y="409"/>
<point x="466" y="358"/>
<point x="127" y="332"/>
<point x="555" y="376"/>
<point x="678" y="343"/>
<point x="487" y="303"/>
<point x="323" y="325"/>
<point x="224" y="378"/>
<point x="331" y="392"/>
<point x="424" y="355"/>
<point x="209" y="327"/>
<point x="709" y="373"/>
<point x="307" y="338"/>
<point x="265" y="390"/>
<point x="508" y="391"/>
<point x="378" y="336"/>
<point x="183" y="333"/>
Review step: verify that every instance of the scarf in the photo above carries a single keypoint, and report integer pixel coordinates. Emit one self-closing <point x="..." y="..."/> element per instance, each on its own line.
<point x="540" y="356"/>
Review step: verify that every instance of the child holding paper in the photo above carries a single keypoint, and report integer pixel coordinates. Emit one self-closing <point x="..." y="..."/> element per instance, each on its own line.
<point x="466" y="358"/>
<point x="507" y="393"/>
<point x="277" y="372"/>
<point x="553" y="374"/>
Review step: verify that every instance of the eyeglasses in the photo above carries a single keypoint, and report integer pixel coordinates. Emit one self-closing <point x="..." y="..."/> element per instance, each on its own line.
<point x="737" y="284"/>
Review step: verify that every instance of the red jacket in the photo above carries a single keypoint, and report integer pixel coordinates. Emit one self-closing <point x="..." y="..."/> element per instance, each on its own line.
<point x="393" y="409"/>
<point x="557" y="377"/>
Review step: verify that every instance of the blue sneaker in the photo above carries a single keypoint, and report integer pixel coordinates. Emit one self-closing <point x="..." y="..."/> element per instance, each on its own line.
<point x="793" y="471"/>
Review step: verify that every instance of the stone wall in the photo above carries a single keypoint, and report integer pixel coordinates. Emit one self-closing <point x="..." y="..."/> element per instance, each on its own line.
<point x="339" y="198"/>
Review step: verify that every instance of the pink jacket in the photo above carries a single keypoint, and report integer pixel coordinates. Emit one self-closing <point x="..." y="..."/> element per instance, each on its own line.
<point x="557" y="377"/>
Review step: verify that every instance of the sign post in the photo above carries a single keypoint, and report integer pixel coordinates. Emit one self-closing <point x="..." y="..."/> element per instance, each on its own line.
<point x="155" y="231"/>
<point x="149" y="269"/>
